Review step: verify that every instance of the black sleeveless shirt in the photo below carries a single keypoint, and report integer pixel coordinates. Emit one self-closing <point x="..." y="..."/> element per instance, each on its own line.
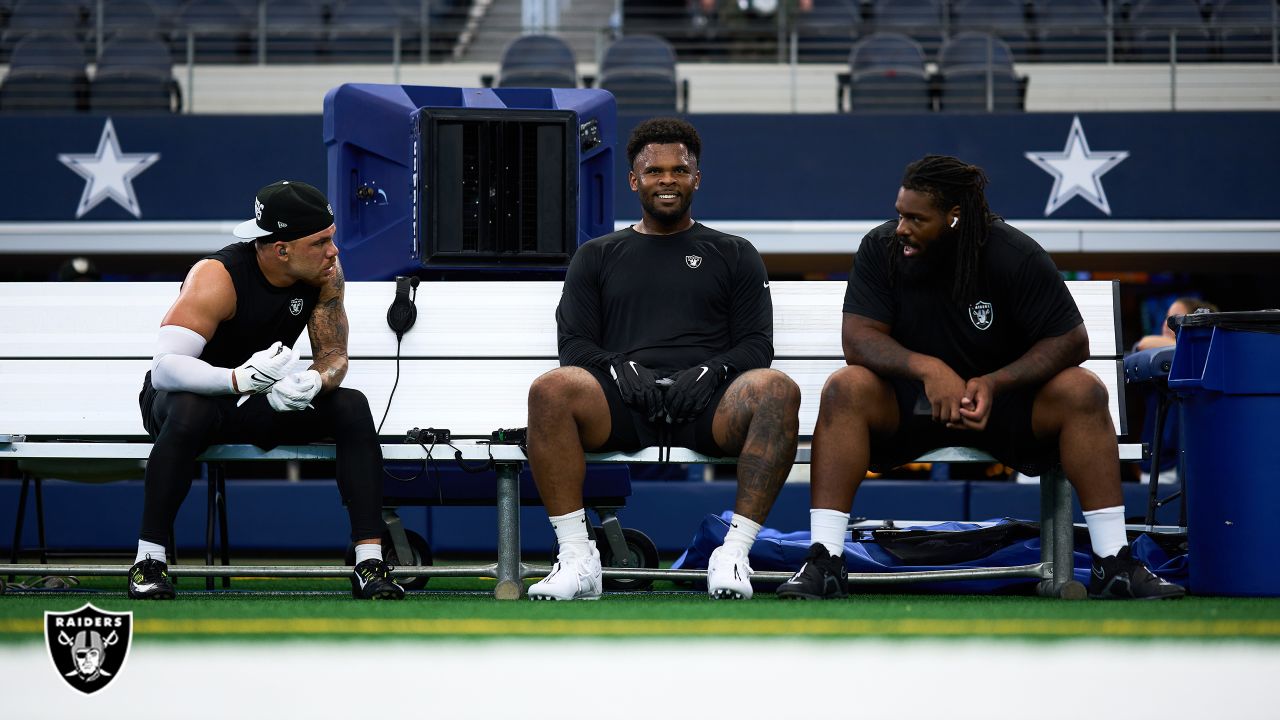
<point x="264" y="313"/>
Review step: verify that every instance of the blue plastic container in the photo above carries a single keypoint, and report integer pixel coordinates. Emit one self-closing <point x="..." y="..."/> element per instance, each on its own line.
<point x="1227" y="378"/>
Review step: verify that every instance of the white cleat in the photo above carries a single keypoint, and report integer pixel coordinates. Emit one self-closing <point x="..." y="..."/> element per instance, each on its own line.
<point x="573" y="577"/>
<point x="729" y="575"/>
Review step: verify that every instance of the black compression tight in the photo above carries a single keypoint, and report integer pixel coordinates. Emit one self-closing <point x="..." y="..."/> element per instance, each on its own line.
<point x="183" y="424"/>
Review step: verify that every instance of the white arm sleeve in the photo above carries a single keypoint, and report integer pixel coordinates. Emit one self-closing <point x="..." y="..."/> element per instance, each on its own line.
<point x="177" y="366"/>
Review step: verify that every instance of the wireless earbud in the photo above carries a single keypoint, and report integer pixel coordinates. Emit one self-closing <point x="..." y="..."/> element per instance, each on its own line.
<point x="955" y="221"/>
<point x="282" y="250"/>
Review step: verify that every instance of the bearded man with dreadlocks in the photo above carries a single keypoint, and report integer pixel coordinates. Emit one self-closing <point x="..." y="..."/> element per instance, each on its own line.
<point x="959" y="330"/>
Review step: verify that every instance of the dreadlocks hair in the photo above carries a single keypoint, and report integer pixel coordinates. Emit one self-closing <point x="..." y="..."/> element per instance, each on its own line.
<point x="663" y="130"/>
<point x="949" y="182"/>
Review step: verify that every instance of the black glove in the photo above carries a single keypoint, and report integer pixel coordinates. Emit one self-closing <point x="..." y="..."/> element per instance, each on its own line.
<point x="691" y="390"/>
<point x="637" y="385"/>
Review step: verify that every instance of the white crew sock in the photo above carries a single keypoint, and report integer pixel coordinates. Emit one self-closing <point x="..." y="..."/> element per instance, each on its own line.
<point x="150" y="550"/>
<point x="368" y="551"/>
<point x="829" y="528"/>
<point x="571" y="533"/>
<point x="742" y="533"/>
<point x="1106" y="530"/>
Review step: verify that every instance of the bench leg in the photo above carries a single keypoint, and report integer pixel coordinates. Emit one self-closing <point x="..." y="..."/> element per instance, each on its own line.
<point x="1057" y="537"/>
<point x="44" y="546"/>
<point x="510" y="584"/>
<point x="211" y="510"/>
<point x="223" y="542"/>
<point x="399" y="540"/>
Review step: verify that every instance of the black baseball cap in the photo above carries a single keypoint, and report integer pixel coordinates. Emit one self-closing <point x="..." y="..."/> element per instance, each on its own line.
<point x="287" y="210"/>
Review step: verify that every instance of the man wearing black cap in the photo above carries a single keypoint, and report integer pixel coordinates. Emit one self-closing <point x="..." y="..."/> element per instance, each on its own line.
<point x="222" y="374"/>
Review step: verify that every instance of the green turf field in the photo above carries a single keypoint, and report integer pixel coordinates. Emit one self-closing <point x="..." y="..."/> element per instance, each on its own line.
<point x="461" y="608"/>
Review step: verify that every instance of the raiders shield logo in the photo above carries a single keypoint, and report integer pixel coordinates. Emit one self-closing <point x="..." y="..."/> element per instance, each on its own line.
<point x="981" y="314"/>
<point x="88" y="646"/>
<point x="295" y="306"/>
<point x="692" y="261"/>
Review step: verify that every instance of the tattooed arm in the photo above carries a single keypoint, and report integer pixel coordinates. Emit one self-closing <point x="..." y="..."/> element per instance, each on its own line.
<point x="328" y="331"/>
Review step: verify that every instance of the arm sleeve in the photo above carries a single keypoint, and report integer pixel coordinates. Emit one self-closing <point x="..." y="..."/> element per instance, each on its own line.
<point x="751" y="319"/>
<point x="1045" y="306"/>
<point x="869" y="293"/>
<point x="176" y="365"/>
<point x="578" y="321"/>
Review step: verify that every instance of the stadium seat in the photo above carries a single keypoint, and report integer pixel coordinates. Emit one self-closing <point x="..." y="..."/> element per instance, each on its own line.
<point x="364" y="30"/>
<point x="1245" y="29"/>
<point x="538" y="61"/>
<point x="135" y="17"/>
<point x="221" y="31"/>
<point x="966" y="64"/>
<point x="134" y="74"/>
<point x="924" y="21"/>
<point x="887" y="73"/>
<point x="296" y="31"/>
<point x="1005" y="19"/>
<point x="48" y="17"/>
<point x="1150" y="26"/>
<point x="1071" y="30"/>
<point x="46" y="74"/>
<point x="640" y="71"/>
<point x="826" y="33"/>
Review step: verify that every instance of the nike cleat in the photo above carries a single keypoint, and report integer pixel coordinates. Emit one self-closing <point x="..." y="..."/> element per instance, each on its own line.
<point x="821" y="577"/>
<point x="371" y="580"/>
<point x="573" y="577"/>
<point x="728" y="574"/>
<point x="1121" y="577"/>
<point x="149" y="580"/>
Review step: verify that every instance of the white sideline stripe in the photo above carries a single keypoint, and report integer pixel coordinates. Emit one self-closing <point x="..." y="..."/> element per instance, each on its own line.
<point x="685" y="678"/>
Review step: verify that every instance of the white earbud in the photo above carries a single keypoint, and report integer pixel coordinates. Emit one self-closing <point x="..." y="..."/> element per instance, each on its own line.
<point x="955" y="221"/>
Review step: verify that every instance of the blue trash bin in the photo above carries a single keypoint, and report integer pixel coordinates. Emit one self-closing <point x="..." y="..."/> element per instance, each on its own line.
<point x="1226" y="376"/>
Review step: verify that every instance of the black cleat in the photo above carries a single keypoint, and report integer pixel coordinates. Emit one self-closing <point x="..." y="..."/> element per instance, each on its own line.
<point x="1123" y="578"/>
<point x="149" y="580"/>
<point x="821" y="577"/>
<point x="371" y="581"/>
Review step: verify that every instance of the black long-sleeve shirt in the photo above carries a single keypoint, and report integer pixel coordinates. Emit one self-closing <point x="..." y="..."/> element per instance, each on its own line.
<point x="668" y="302"/>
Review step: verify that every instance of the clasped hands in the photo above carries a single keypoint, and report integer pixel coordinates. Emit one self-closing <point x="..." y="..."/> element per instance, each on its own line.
<point x="958" y="404"/>
<point x="676" y="399"/>
<point x="266" y="371"/>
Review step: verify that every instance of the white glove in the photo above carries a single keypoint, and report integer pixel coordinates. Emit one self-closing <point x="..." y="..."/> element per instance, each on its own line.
<point x="294" y="392"/>
<point x="263" y="369"/>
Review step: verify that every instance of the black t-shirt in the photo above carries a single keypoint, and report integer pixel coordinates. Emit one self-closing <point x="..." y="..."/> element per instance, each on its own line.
<point x="264" y="313"/>
<point x="669" y="302"/>
<point x="1020" y="299"/>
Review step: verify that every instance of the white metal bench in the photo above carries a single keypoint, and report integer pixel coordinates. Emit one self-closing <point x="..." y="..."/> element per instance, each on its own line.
<point x="73" y="356"/>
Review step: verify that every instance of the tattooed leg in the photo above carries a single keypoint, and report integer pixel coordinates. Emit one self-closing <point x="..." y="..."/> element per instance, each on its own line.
<point x="758" y="420"/>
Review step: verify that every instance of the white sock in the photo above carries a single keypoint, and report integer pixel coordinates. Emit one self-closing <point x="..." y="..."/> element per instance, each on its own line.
<point x="150" y="550"/>
<point x="368" y="551"/>
<point x="829" y="528"/>
<point x="571" y="533"/>
<point x="742" y="533"/>
<point x="1106" y="530"/>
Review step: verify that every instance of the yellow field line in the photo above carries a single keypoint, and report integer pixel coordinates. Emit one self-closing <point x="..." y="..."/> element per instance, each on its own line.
<point x="391" y="627"/>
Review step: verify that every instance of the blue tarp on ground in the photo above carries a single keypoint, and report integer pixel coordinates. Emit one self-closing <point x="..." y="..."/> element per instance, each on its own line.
<point x="776" y="550"/>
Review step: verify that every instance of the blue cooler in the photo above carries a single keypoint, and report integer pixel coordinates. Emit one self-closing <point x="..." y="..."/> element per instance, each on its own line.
<point x="1227" y="379"/>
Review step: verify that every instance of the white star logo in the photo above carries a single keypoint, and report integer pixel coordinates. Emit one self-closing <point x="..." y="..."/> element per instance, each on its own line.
<point x="1077" y="170"/>
<point x="109" y="173"/>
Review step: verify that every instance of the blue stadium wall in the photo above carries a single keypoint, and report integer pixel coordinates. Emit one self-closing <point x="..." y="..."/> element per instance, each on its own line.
<point x="1177" y="166"/>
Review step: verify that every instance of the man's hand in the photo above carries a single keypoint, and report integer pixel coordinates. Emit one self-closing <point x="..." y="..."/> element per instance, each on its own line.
<point x="263" y="369"/>
<point x="294" y="392"/>
<point x="945" y="389"/>
<point x="691" y="390"/>
<point x="975" y="406"/>
<point x="638" y="387"/>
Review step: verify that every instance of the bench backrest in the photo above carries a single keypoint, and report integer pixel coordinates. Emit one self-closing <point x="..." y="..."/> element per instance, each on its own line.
<point x="72" y="355"/>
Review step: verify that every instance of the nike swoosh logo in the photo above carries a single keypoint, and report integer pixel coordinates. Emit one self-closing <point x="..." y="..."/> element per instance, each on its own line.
<point x="1098" y="573"/>
<point x="144" y="588"/>
<point x="766" y="283"/>
<point x="632" y="363"/>
<point x="259" y="377"/>
<point x="704" y="372"/>
<point x="360" y="578"/>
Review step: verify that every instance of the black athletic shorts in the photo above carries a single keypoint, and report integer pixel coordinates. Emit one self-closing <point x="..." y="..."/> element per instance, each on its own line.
<point x="1008" y="434"/>
<point x="630" y="430"/>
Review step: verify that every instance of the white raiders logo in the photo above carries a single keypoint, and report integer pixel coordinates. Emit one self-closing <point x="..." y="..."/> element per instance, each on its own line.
<point x="295" y="306"/>
<point x="692" y="261"/>
<point x="88" y="646"/>
<point x="981" y="314"/>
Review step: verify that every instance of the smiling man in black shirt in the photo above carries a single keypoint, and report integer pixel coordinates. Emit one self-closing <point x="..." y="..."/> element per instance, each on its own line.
<point x="958" y="330"/>
<point x="666" y="335"/>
